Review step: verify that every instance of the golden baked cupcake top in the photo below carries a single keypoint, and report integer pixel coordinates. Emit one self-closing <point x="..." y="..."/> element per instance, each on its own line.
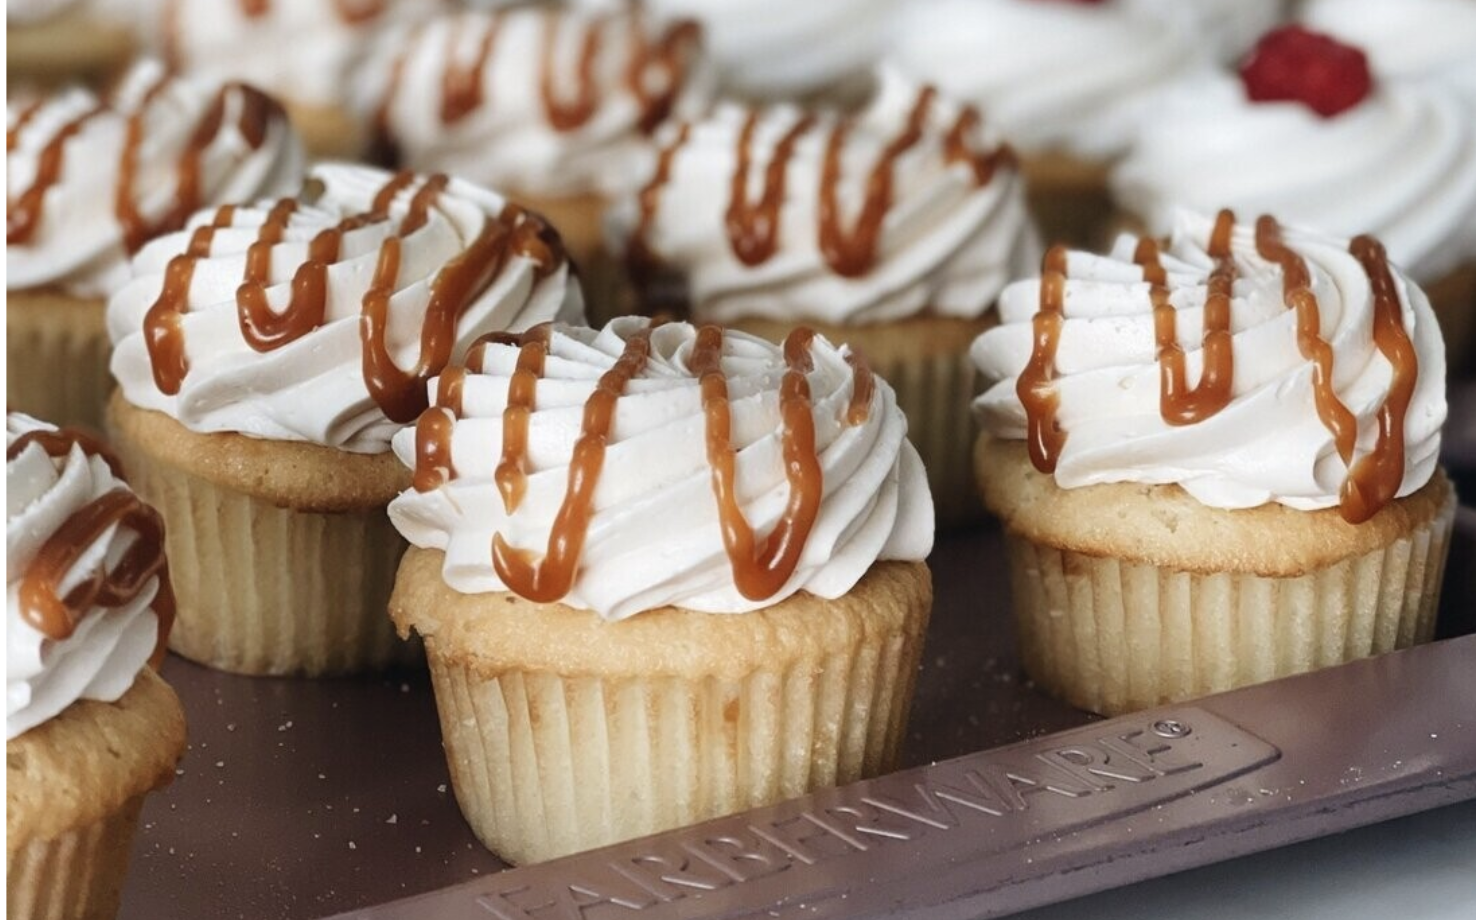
<point x="1246" y="363"/>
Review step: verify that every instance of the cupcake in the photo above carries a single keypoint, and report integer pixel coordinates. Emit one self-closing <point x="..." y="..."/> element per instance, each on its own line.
<point x="767" y="51"/>
<point x="1301" y="129"/>
<point x="1065" y="82"/>
<point x="1417" y="40"/>
<point x="553" y="107"/>
<point x="90" y="729"/>
<point x="90" y="181"/>
<point x="301" y="51"/>
<point x="1216" y="462"/>
<point x="894" y="231"/>
<point x="663" y="573"/>
<point x="52" y="41"/>
<point x="265" y="356"/>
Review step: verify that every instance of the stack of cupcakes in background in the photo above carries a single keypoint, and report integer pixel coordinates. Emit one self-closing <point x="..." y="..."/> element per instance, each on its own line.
<point x="555" y="108"/>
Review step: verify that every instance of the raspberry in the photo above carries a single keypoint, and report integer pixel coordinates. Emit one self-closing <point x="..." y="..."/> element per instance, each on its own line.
<point x="1294" y="64"/>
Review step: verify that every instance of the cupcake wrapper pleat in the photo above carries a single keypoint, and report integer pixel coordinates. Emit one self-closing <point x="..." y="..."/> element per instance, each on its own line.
<point x="1113" y="636"/>
<point x="57" y="365"/>
<point x="544" y="764"/>
<point x="77" y="875"/>
<point x="269" y="590"/>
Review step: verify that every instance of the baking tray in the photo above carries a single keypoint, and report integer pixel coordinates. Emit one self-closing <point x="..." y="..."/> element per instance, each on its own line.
<point x="302" y="799"/>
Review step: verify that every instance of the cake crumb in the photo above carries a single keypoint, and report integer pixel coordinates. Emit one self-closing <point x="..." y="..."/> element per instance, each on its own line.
<point x="393" y="819"/>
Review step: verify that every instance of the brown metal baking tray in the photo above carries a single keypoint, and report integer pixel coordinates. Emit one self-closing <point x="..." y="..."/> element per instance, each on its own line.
<point x="303" y="799"/>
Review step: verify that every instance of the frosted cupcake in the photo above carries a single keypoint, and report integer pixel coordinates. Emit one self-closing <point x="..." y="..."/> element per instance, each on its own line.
<point x="88" y="182"/>
<point x="1216" y="463"/>
<point x="302" y="51"/>
<point x="1065" y="82"/>
<point x="265" y="356"/>
<point x="1306" y="132"/>
<point x="663" y="573"/>
<point x="1414" y="40"/>
<point x="774" y="51"/>
<point x="554" y="107"/>
<point x="894" y="232"/>
<point x="52" y="41"/>
<point x="90" y="729"/>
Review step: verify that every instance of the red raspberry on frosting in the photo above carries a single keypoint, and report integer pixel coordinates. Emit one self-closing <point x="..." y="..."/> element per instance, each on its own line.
<point x="1295" y="64"/>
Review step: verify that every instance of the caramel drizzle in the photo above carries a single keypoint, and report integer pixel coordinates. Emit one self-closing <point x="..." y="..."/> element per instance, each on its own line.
<point x="641" y="263"/>
<point x="257" y="113"/>
<point x="983" y="164"/>
<point x="863" y="389"/>
<point x="753" y="229"/>
<point x="1177" y="403"/>
<point x="24" y="213"/>
<point x="56" y="617"/>
<point x="1034" y="386"/>
<point x="761" y="568"/>
<point x="60" y="442"/>
<point x="853" y="254"/>
<point x="551" y="577"/>
<point x="265" y="329"/>
<point x="562" y="115"/>
<point x="13" y="133"/>
<point x="400" y="394"/>
<point x="461" y="86"/>
<point x="1374" y="480"/>
<point x="511" y="474"/>
<point x="668" y="56"/>
<point x="350" y="11"/>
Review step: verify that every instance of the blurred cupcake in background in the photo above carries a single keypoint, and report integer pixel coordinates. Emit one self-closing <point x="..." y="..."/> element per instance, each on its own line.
<point x="90" y="728"/>
<point x="49" y="42"/>
<point x="766" y="51"/>
<point x="265" y="356"/>
<point x="1216" y="460"/>
<point x="301" y="51"/>
<point x="553" y="107"/>
<point x="89" y="182"/>
<point x="1306" y="131"/>
<point x="1066" y="82"/>
<point x="893" y="231"/>
<point x="1431" y="40"/>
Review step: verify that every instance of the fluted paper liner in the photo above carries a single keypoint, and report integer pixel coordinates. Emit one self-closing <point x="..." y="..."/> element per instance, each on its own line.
<point x="74" y="787"/>
<point x="1113" y="636"/>
<point x="926" y="360"/>
<point x="56" y="354"/>
<point x="75" y="876"/>
<point x="264" y="585"/>
<point x="549" y="761"/>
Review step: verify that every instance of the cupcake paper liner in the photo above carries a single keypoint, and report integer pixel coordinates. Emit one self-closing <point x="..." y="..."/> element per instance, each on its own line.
<point x="1113" y="636"/>
<point x="56" y="355"/>
<point x="544" y="765"/>
<point x="269" y="590"/>
<point x="77" y="875"/>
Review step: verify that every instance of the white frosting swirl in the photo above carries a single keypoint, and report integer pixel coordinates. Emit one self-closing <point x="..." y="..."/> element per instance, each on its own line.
<point x="1228" y="27"/>
<point x="301" y="50"/>
<point x="777" y="49"/>
<point x="508" y="139"/>
<point x="947" y="244"/>
<point x="1410" y="39"/>
<point x="101" y="658"/>
<point x="78" y="240"/>
<point x="1269" y="443"/>
<point x="313" y="388"/>
<point x="1401" y="165"/>
<point x="1054" y="76"/>
<point x="654" y="537"/>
